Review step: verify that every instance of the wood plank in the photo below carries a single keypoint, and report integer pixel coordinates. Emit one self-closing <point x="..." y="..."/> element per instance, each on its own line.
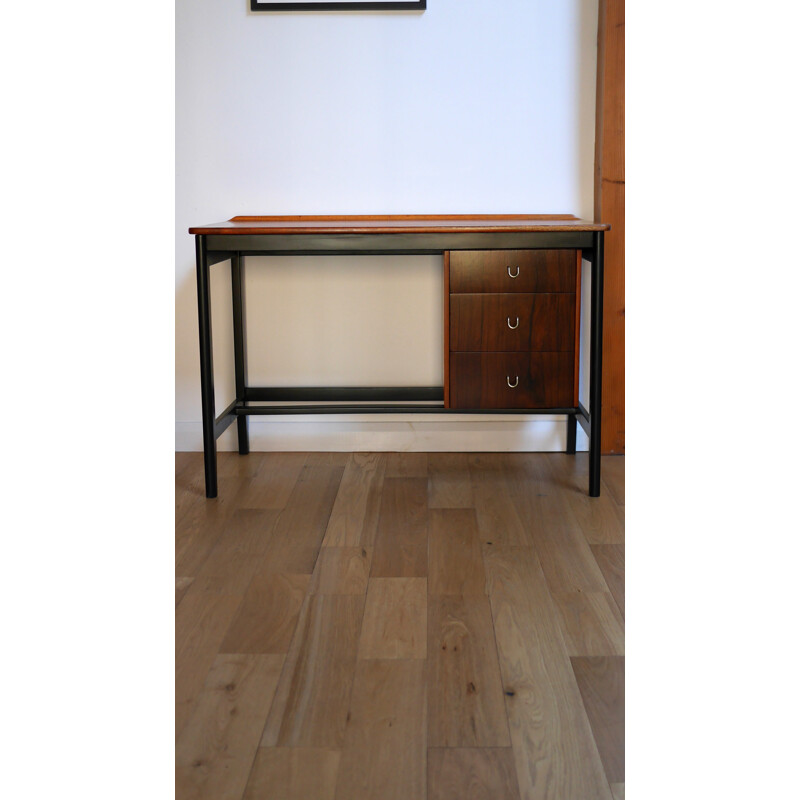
<point x="327" y="459"/>
<point x="499" y="521"/>
<point x="449" y="484"/>
<point x="609" y="205"/>
<point x="591" y="623"/>
<point x="611" y="560"/>
<point x="267" y="617"/>
<point x="313" y="696"/>
<point x="273" y="483"/>
<point x="301" y="526"/>
<point x="601" y="519"/>
<point x="455" y="563"/>
<point x="239" y="551"/>
<point x="215" y="752"/>
<point x="395" y="619"/>
<point x="384" y="756"/>
<point x="602" y="685"/>
<point x="181" y="586"/>
<point x="200" y="624"/>
<point x="470" y="773"/>
<point x="293" y="773"/>
<point x="341" y="570"/>
<point x="465" y="701"/>
<point x="563" y="551"/>
<point x="613" y="474"/>
<point x="554" y="750"/>
<point x="354" y="519"/>
<point x="401" y="544"/>
<point x="407" y="465"/>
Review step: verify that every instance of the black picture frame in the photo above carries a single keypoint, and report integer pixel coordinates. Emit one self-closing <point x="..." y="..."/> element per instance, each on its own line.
<point x="366" y="5"/>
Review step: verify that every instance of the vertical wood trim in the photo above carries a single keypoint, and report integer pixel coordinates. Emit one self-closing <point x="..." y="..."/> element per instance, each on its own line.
<point x="447" y="329"/>
<point x="609" y="206"/>
<point x="578" y="328"/>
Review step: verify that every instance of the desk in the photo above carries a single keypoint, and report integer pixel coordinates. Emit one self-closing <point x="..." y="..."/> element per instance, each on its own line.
<point x="479" y="246"/>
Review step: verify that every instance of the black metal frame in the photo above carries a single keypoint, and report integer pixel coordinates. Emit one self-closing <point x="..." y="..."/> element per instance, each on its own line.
<point x="213" y="249"/>
<point x="390" y="5"/>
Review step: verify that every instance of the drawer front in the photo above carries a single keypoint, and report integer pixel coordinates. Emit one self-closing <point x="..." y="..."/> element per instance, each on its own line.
<point x="511" y="380"/>
<point x="513" y="270"/>
<point x="514" y="321"/>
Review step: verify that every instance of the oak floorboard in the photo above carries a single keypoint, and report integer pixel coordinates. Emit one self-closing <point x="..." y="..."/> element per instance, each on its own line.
<point x="238" y="553"/>
<point x="554" y="750"/>
<point x="611" y="560"/>
<point x="395" y="619"/>
<point x="449" y="483"/>
<point x="600" y="519"/>
<point x="341" y="570"/>
<point x="273" y="482"/>
<point x="267" y="616"/>
<point x="612" y="472"/>
<point x="181" y="587"/>
<point x="465" y="699"/>
<point x="313" y="696"/>
<point x="354" y="519"/>
<point x="337" y="460"/>
<point x="199" y="529"/>
<point x="401" y="544"/>
<point x="215" y="752"/>
<point x="300" y="527"/>
<point x="565" y="555"/>
<point x="201" y="621"/>
<point x="499" y="522"/>
<point x="472" y="773"/>
<point x="591" y="623"/>
<point x="384" y="754"/>
<point x="293" y="773"/>
<point x="602" y="685"/>
<point x="407" y="465"/>
<point x="455" y="562"/>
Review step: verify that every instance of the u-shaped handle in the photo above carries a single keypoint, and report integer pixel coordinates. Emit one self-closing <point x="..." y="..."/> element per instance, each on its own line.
<point x="512" y="385"/>
<point x="513" y="327"/>
<point x="516" y="274"/>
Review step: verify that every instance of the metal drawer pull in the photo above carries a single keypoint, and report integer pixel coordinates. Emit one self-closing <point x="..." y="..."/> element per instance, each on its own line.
<point x="515" y="274"/>
<point x="513" y="327"/>
<point x="512" y="385"/>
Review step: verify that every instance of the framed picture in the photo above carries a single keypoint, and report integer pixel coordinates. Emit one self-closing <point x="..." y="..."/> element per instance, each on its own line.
<point x="338" y="5"/>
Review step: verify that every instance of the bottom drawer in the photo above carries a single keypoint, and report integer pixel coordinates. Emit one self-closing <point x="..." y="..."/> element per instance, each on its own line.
<point x="512" y="380"/>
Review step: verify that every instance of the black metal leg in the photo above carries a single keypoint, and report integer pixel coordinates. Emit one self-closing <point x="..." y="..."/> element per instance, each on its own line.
<point x="239" y="346"/>
<point x="206" y="367"/>
<point x="596" y="366"/>
<point x="572" y="434"/>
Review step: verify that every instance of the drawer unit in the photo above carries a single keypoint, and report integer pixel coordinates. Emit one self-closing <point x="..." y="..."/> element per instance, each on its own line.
<point x="512" y="271"/>
<point x="511" y="329"/>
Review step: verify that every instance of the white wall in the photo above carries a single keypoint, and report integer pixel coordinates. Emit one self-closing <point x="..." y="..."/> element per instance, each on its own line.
<point x="469" y="107"/>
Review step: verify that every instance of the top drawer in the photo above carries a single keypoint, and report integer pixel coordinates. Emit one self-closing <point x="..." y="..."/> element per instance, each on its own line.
<point x="513" y="270"/>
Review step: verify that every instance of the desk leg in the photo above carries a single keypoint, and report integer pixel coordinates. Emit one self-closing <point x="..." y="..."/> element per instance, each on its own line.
<point x="206" y="367"/>
<point x="572" y="434"/>
<point x="596" y="366"/>
<point x="239" y="346"/>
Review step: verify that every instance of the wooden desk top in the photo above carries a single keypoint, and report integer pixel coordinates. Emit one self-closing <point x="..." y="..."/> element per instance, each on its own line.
<point x="411" y="223"/>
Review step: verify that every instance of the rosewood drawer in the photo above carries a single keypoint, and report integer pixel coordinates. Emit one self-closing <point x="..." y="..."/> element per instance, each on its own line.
<point x="513" y="271"/>
<point x="512" y="321"/>
<point x="511" y="380"/>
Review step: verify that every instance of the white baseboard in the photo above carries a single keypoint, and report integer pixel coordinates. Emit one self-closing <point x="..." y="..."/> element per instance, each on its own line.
<point x="365" y="433"/>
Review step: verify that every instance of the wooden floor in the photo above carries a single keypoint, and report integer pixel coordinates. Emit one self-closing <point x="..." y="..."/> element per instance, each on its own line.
<point x="445" y="626"/>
